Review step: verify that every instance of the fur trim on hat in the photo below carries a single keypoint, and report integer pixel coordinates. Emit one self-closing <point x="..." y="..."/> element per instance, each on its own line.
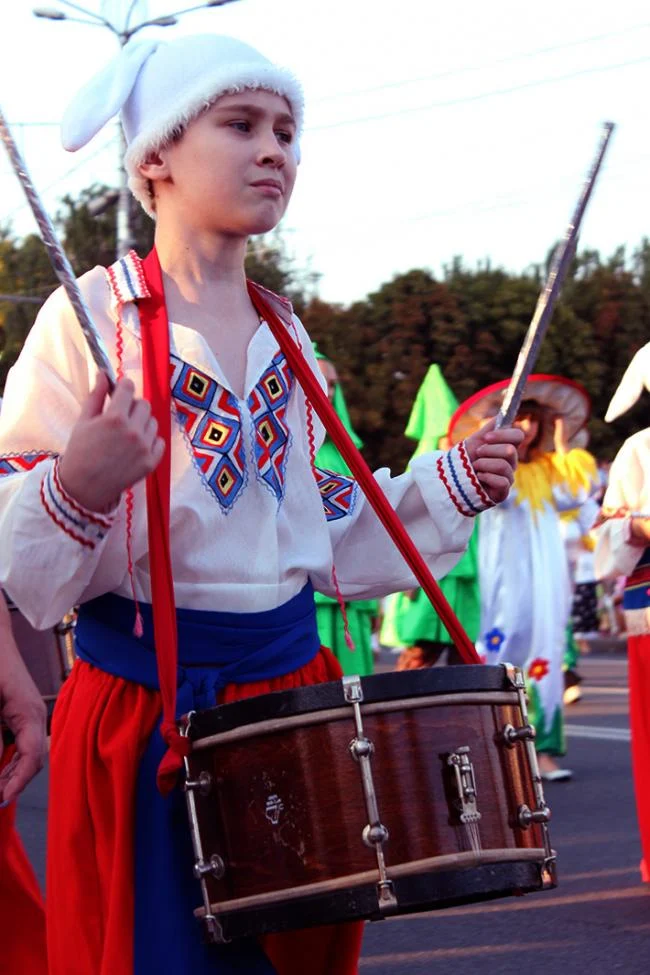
<point x="197" y="100"/>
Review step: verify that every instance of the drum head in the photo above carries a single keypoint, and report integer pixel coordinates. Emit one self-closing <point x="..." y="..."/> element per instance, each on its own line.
<point x="321" y="697"/>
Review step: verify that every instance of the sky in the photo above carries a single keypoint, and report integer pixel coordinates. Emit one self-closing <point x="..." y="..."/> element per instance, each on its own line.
<point x="432" y="129"/>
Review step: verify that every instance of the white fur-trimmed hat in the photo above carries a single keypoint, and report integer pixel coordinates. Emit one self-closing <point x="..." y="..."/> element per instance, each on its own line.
<point x="158" y="86"/>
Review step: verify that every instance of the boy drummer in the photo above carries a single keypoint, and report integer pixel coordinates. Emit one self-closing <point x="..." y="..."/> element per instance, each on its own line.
<point x="213" y="131"/>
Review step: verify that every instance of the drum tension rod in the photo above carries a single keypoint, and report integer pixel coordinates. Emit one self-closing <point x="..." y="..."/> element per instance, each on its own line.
<point x="374" y="834"/>
<point x="541" y="814"/>
<point x="213" y="866"/>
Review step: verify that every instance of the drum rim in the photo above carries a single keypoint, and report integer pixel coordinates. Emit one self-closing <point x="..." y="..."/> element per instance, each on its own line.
<point x="326" y="696"/>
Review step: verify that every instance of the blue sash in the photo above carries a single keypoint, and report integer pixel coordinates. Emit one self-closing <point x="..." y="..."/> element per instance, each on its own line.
<point x="214" y="649"/>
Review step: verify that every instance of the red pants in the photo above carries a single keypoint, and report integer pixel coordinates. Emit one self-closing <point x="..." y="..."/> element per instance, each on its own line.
<point x="101" y="726"/>
<point x="22" y="917"/>
<point x="639" y="682"/>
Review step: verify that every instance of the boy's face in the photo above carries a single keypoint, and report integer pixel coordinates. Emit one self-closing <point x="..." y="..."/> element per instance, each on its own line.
<point x="234" y="168"/>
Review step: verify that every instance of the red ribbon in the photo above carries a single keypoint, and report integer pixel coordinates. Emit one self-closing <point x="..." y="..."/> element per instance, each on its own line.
<point x="154" y="329"/>
<point x="363" y="475"/>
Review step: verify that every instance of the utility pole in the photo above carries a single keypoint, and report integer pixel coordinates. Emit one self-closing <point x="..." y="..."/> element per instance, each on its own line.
<point x="123" y="35"/>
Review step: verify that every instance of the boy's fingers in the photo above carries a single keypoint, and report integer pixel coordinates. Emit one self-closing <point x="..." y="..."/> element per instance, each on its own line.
<point x="122" y="398"/>
<point x="95" y="401"/>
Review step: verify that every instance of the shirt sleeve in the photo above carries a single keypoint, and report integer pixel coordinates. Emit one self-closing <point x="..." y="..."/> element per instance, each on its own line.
<point x="49" y="544"/>
<point x="436" y="500"/>
<point x="617" y="553"/>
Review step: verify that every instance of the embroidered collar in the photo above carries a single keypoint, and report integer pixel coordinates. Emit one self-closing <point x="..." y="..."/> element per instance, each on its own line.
<point x="127" y="284"/>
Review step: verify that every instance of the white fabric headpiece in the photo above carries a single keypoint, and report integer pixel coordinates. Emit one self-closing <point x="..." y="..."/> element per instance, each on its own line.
<point x="158" y="86"/>
<point x="635" y="379"/>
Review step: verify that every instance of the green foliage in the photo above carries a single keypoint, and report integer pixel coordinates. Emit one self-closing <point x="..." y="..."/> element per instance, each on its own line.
<point x="471" y="321"/>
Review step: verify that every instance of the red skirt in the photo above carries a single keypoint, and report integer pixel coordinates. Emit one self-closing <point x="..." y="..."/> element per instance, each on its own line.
<point x="22" y="915"/>
<point x="100" y="730"/>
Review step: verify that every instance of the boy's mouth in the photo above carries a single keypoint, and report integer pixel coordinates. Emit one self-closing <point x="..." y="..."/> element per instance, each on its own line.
<point x="272" y="185"/>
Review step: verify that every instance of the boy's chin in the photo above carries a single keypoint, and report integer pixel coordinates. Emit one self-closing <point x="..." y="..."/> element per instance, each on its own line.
<point x="262" y="225"/>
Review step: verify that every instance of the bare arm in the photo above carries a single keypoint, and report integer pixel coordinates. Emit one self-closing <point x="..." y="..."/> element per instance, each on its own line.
<point x="22" y="711"/>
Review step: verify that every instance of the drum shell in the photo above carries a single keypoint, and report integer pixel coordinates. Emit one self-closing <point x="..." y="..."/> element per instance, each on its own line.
<point x="306" y="778"/>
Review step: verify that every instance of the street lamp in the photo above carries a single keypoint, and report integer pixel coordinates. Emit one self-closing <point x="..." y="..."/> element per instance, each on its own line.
<point x="124" y="240"/>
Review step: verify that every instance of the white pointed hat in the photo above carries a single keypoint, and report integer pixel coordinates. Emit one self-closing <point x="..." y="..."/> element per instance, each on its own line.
<point x="160" y="86"/>
<point x="635" y="379"/>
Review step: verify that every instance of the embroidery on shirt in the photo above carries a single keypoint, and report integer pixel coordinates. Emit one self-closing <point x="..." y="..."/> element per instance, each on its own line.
<point x="338" y="493"/>
<point x="20" y="463"/>
<point x="271" y="437"/>
<point x="211" y="423"/>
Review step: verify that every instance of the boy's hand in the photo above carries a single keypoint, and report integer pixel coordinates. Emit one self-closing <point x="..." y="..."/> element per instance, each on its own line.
<point x="23" y="712"/>
<point x="493" y="454"/>
<point x="110" y="449"/>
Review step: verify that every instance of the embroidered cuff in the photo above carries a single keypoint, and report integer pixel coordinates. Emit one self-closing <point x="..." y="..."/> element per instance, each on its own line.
<point x="462" y="485"/>
<point x="86" y="527"/>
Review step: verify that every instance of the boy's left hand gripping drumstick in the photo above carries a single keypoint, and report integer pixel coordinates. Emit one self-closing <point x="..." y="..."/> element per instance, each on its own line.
<point x="59" y="261"/>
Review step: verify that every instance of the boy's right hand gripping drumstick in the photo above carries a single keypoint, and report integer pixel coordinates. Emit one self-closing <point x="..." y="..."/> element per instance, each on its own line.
<point x="58" y="260"/>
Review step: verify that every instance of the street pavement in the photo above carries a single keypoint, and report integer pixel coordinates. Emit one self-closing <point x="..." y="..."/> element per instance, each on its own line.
<point x="596" y="922"/>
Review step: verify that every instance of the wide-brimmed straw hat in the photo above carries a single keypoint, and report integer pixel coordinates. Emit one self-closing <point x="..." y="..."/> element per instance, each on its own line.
<point x="559" y="397"/>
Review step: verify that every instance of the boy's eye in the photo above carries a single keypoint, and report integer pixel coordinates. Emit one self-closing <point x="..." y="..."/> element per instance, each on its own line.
<point x="240" y="125"/>
<point x="285" y="137"/>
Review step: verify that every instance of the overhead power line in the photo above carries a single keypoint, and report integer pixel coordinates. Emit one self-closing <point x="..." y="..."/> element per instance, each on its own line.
<point x="467" y="68"/>
<point x="478" y="96"/>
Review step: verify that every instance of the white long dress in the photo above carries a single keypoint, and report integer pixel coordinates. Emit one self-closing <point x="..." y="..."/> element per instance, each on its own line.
<point x="524" y="582"/>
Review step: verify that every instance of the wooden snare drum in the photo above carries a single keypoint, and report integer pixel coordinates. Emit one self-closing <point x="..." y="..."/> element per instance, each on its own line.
<point x="360" y="798"/>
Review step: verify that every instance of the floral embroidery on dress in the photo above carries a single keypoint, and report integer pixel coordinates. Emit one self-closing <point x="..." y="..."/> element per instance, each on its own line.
<point x="538" y="669"/>
<point x="338" y="493"/>
<point x="211" y="422"/>
<point x="268" y="404"/>
<point x="494" y="639"/>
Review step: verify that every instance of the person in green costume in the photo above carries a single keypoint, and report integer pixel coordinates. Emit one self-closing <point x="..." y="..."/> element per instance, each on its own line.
<point x="361" y="613"/>
<point x="410" y="620"/>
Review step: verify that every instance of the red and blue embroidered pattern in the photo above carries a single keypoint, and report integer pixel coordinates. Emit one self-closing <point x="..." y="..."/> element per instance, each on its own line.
<point x="271" y="438"/>
<point x="338" y="492"/>
<point x="20" y="463"/>
<point x="211" y="422"/>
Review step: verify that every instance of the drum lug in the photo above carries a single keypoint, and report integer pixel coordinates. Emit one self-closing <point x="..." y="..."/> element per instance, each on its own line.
<point x="386" y="897"/>
<point x="548" y="872"/>
<point x="515" y="676"/>
<point x="527" y="817"/>
<point x="202" y="785"/>
<point x="374" y="834"/>
<point x="469" y="815"/>
<point x="214" y="930"/>
<point x="512" y="735"/>
<point x="214" y="866"/>
<point x="352" y="689"/>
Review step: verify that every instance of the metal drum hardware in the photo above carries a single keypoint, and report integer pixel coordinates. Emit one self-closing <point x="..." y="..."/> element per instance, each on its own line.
<point x="374" y="834"/>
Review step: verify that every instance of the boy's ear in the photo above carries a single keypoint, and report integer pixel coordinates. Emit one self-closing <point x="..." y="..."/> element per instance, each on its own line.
<point x="155" y="166"/>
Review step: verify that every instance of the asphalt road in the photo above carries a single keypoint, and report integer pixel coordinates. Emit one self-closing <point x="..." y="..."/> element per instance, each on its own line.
<point x="596" y="922"/>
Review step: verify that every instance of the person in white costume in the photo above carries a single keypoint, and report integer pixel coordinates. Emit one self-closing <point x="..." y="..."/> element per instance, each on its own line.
<point x="623" y="549"/>
<point x="523" y="569"/>
<point x="213" y="131"/>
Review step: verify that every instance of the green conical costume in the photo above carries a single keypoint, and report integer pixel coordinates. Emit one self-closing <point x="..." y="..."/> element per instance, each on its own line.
<point x="408" y="621"/>
<point x="360" y="613"/>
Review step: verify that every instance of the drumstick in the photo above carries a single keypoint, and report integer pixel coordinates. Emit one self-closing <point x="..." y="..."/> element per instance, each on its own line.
<point x="548" y="296"/>
<point x="60" y="263"/>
